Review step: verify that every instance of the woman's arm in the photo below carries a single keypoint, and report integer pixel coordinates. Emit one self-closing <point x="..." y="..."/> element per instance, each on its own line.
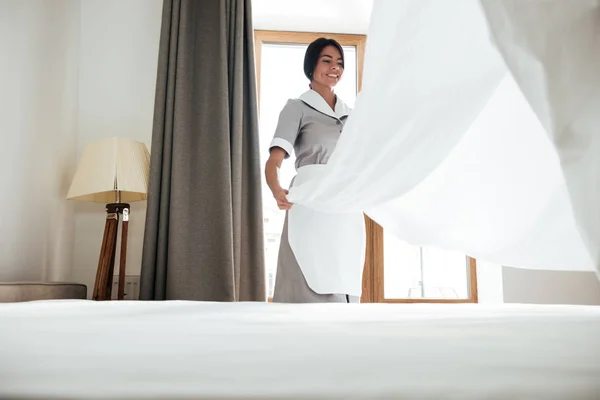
<point x="271" y="174"/>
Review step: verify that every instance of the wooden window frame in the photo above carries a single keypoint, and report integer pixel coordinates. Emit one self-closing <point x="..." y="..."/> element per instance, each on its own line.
<point x="373" y="275"/>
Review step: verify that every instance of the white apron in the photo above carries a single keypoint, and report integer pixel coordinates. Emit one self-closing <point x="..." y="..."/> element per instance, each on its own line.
<point x="329" y="248"/>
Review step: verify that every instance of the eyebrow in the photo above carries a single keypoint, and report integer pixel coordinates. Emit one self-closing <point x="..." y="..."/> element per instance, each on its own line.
<point x="327" y="55"/>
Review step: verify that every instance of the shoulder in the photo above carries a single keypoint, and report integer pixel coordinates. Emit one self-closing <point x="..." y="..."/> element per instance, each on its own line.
<point x="293" y="107"/>
<point x="292" y="113"/>
<point x="294" y="104"/>
<point x="292" y="110"/>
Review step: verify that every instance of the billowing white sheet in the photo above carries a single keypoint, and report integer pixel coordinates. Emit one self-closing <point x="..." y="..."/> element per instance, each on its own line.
<point x="192" y="350"/>
<point x="478" y="130"/>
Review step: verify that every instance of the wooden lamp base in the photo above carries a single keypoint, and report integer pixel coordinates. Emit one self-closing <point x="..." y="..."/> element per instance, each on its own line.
<point x="106" y="263"/>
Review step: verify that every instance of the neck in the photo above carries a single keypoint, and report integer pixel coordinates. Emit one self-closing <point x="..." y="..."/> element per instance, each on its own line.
<point x="326" y="92"/>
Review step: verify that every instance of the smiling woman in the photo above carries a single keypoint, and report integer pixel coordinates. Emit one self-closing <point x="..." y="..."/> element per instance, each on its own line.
<point x="286" y="68"/>
<point x="321" y="255"/>
<point x="393" y="271"/>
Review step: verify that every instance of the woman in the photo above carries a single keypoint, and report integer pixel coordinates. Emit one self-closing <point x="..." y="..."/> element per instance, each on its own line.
<point x="321" y="256"/>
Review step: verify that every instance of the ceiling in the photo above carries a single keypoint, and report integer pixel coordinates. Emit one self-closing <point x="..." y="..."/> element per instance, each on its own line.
<point x="330" y="16"/>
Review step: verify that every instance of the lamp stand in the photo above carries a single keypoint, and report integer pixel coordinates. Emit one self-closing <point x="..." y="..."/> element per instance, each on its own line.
<point x="106" y="263"/>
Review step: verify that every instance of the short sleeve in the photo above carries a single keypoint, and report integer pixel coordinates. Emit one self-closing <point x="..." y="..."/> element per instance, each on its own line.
<point x="288" y="127"/>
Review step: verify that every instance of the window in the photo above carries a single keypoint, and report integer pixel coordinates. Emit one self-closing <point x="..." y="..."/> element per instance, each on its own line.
<point x="419" y="274"/>
<point x="394" y="271"/>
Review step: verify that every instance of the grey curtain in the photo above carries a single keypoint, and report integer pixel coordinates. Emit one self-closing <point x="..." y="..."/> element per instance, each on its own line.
<point x="204" y="238"/>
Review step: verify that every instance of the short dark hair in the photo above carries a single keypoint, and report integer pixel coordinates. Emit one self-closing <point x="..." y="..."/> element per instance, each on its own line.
<point x="314" y="51"/>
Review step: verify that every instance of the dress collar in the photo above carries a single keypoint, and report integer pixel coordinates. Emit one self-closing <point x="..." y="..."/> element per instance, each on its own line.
<point x="314" y="99"/>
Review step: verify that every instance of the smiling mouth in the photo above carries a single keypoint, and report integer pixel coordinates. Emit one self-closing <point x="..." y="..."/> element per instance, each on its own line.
<point x="332" y="76"/>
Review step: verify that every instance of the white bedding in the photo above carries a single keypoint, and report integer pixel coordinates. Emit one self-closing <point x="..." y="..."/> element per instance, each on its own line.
<point x="185" y="350"/>
<point x="477" y="133"/>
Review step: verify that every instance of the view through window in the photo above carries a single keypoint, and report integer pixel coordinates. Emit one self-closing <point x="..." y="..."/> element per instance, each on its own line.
<point x="414" y="272"/>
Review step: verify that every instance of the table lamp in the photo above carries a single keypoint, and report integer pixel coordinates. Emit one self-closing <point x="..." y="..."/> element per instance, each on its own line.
<point x="113" y="171"/>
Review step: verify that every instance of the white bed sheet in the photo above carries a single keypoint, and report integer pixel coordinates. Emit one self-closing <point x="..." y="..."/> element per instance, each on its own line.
<point x="185" y="350"/>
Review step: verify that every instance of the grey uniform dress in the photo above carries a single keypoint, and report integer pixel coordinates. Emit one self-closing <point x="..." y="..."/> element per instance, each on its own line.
<point x="310" y="128"/>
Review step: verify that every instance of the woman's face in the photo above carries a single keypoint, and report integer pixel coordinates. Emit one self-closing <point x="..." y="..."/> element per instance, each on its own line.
<point x="329" y="68"/>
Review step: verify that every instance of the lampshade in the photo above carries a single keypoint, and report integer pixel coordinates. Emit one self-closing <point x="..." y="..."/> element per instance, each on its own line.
<point x="109" y="166"/>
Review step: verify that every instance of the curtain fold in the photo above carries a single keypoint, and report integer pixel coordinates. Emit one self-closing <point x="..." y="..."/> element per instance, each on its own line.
<point x="204" y="232"/>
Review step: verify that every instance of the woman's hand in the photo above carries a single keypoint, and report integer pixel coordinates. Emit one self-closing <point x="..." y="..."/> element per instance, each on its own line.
<point x="281" y="198"/>
<point x="273" y="164"/>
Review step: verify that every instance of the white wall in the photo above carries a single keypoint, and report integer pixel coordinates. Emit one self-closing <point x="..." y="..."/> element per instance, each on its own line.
<point x="329" y="16"/>
<point x="117" y="79"/>
<point x="550" y="287"/>
<point x="489" y="283"/>
<point x="498" y="284"/>
<point x="38" y="104"/>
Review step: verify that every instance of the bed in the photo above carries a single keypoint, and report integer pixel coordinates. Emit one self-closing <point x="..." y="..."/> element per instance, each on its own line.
<point x="78" y="349"/>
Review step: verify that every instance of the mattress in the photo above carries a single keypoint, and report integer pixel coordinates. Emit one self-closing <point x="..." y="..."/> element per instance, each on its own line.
<point x="199" y="350"/>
